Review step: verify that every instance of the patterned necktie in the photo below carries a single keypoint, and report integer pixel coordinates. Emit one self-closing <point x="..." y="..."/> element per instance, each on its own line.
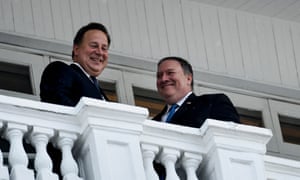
<point x="171" y="112"/>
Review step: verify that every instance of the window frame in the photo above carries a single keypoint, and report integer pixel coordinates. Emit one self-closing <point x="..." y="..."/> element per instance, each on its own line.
<point x="36" y="64"/>
<point x="138" y="79"/>
<point x="285" y="109"/>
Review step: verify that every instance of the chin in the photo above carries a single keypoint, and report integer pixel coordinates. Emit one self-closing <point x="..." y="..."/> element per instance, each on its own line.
<point x="167" y="90"/>
<point x="166" y="95"/>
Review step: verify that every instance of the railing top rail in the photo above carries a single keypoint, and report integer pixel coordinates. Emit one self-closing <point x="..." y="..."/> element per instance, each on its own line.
<point x="37" y="105"/>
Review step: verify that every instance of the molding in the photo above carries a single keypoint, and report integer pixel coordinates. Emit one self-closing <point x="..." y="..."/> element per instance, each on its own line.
<point x="265" y="90"/>
<point x="37" y="43"/>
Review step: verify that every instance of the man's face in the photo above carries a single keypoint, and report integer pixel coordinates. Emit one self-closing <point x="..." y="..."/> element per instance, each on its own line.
<point x="172" y="84"/>
<point x="92" y="52"/>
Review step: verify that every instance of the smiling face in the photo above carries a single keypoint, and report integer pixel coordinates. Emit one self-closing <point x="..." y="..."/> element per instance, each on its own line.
<point x="92" y="52"/>
<point x="172" y="83"/>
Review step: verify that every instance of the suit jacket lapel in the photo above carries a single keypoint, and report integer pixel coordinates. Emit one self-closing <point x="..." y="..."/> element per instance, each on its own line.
<point x="188" y="103"/>
<point x="178" y="114"/>
<point x="84" y="76"/>
<point x="80" y="72"/>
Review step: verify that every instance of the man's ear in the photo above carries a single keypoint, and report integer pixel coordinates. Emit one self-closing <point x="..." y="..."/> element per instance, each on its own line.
<point x="75" y="49"/>
<point x="189" y="78"/>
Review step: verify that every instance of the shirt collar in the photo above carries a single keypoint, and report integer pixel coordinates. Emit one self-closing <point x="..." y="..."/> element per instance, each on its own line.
<point x="77" y="64"/>
<point x="181" y="101"/>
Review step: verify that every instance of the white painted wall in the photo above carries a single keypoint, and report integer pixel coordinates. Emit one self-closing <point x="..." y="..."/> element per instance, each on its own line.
<point x="214" y="39"/>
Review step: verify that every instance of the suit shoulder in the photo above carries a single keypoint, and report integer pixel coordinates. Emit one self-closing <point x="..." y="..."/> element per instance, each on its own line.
<point x="57" y="65"/>
<point x="212" y="96"/>
<point x="55" y="70"/>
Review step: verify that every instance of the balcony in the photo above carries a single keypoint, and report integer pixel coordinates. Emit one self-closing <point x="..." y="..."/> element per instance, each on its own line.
<point x="111" y="141"/>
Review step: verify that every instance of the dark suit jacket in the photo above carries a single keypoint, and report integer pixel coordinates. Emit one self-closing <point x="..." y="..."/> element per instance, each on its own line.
<point x="66" y="84"/>
<point x="196" y="109"/>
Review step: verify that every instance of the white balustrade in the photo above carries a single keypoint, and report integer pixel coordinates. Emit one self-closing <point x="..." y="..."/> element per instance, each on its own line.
<point x="115" y="141"/>
<point x="42" y="163"/>
<point x="190" y="162"/>
<point x="149" y="153"/>
<point x="234" y="151"/>
<point x="168" y="158"/>
<point x="69" y="168"/>
<point x="278" y="168"/>
<point x="17" y="157"/>
<point x="109" y="145"/>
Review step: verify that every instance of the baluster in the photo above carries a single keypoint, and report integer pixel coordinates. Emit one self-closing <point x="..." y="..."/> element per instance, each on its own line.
<point x="68" y="167"/>
<point x="17" y="157"/>
<point x="42" y="162"/>
<point x="168" y="157"/>
<point x="190" y="162"/>
<point x="149" y="153"/>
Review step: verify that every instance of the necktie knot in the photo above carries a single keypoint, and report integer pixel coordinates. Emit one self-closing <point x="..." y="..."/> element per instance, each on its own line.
<point x="171" y="112"/>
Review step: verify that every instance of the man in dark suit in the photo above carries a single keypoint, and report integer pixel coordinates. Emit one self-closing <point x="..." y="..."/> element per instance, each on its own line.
<point x="175" y="84"/>
<point x="66" y="84"/>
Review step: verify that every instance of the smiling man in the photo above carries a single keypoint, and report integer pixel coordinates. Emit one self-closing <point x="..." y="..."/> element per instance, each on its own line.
<point x="175" y="84"/>
<point x="66" y="84"/>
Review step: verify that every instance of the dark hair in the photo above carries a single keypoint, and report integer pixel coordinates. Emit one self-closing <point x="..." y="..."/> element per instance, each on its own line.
<point x="91" y="26"/>
<point x="185" y="65"/>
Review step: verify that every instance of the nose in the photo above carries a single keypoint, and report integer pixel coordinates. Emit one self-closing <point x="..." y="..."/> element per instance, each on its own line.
<point x="99" y="51"/>
<point x="164" y="77"/>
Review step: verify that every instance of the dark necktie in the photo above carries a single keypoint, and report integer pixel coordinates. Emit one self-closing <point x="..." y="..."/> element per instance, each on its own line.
<point x="171" y="112"/>
<point x="96" y="83"/>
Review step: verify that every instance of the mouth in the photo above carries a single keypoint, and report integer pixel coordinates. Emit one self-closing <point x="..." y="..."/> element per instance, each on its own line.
<point x="97" y="59"/>
<point x="166" y="85"/>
